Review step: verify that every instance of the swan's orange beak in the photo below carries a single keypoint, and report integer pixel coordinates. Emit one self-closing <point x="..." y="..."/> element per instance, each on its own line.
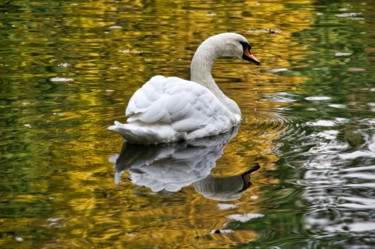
<point x="247" y="55"/>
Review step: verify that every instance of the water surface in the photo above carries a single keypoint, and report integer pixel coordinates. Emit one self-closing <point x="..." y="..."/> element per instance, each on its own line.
<point x="298" y="173"/>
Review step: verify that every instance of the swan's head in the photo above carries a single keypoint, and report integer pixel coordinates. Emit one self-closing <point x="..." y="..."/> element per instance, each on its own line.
<point x="232" y="45"/>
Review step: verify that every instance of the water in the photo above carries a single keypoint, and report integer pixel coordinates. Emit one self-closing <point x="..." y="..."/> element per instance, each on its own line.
<point x="68" y="68"/>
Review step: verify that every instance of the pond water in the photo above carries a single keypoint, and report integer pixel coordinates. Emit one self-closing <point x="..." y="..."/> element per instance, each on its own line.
<point x="298" y="173"/>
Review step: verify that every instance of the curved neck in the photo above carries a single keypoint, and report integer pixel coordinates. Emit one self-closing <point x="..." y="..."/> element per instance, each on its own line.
<point x="200" y="72"/>
<point x="201" y="65"/>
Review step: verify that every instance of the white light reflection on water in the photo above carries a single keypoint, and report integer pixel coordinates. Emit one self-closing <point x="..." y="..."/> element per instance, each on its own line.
<point x="340" y="194"/>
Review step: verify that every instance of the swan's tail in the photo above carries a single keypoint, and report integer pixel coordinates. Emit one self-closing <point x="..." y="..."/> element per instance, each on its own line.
<point x="136" y="134"/>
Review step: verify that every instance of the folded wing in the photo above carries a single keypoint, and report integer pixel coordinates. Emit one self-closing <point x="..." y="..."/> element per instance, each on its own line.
<point x="184" y="105"/>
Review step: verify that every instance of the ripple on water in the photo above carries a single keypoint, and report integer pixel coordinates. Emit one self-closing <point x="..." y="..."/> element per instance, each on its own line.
<point x="318" y="98"/>
<point x="61" y="79"/>
<point x="338" y="178"/>
<point x="268" y="123"/>
<point x="283" y="97"/>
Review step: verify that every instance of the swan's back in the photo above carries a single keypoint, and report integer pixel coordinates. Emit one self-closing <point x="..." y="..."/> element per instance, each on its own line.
<point x="171" y="109"/>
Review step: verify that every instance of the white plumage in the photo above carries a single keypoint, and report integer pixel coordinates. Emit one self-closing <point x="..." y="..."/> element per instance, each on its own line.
<point x="168" y="109"/>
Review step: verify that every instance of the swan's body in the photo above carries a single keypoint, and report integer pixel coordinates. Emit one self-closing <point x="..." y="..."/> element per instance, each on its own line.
<point x="168" y="109"/>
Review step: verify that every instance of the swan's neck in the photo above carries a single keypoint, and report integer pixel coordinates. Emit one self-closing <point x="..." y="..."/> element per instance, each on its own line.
<point x="200" y="72"/>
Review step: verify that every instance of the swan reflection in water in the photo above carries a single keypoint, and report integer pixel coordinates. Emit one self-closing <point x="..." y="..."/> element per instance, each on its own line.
<point x="173" y="166"/>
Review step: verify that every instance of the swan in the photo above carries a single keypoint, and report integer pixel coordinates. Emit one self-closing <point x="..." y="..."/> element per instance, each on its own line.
<point x="169" y="109"/>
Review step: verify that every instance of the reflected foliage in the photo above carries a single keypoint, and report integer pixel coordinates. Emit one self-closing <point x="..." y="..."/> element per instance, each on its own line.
<point x="68" y="68"/>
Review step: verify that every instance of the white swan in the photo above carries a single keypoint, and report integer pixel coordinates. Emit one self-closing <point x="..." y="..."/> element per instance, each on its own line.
<point x="168" y="109"/>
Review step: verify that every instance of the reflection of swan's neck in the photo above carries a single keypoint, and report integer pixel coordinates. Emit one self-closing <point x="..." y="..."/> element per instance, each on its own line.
<point x="200" y="72"/>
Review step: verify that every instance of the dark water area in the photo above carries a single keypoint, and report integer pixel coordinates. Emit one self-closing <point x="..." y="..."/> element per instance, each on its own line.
<point x="298" y="173"/>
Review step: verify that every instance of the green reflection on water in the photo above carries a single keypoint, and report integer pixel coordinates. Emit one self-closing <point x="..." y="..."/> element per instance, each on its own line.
<point x="67" y="70"/>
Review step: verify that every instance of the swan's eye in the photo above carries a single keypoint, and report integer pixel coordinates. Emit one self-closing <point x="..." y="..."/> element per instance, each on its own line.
<point x="245" y="45"/>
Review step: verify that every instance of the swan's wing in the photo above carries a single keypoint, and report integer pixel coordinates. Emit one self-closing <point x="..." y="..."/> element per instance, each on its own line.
<point x="185" y="105"/>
